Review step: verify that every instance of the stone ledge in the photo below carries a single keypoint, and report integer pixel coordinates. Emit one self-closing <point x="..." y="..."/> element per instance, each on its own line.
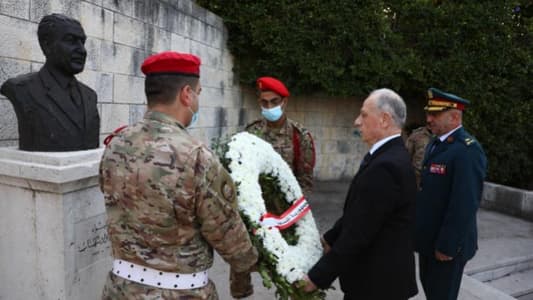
<point x="501" y="268"/>
<point x="508" y="200"/>
<point x="44" y="170"/>
<point x="473" y="289"/>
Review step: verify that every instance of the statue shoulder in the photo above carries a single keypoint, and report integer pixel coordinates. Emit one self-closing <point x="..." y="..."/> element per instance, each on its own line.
<point x="88" y="93"/>
<point x="86" y="89"/>
<point x="21" y="80"/>
<point x="13" y="87"/>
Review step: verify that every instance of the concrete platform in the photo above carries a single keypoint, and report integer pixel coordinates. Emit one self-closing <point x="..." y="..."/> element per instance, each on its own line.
<point x="502" y="238"/>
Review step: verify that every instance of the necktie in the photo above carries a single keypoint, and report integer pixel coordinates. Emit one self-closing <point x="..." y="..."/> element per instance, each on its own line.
<point x="434" y="145"/>
<point x="74" y="93"/>
<point x="365" y="160"/>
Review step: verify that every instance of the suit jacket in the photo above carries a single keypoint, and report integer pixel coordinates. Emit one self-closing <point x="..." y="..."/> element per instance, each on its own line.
<point x="48" y="120"/>
<point x="372" y="248"/>
<point x="450" y="193"/>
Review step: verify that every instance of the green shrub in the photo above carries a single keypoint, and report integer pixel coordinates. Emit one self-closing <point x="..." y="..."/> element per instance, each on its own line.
<point x="480" y="50"/>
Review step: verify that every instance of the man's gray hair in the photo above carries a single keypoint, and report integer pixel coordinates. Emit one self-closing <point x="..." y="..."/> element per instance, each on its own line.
<point x="390" y="102"/>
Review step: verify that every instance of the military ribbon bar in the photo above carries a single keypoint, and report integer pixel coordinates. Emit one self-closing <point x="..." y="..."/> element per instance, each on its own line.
<point x="299" y="209"/>
<point x="437" y="169"/>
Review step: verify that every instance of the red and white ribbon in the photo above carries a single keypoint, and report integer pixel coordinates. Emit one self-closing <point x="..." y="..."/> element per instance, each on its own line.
<point x="299" y="209"/>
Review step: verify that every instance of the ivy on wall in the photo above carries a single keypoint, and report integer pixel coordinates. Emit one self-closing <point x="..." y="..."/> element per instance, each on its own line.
<point x="480" y="50"/>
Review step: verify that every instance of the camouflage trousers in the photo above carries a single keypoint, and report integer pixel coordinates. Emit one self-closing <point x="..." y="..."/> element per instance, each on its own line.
<point x="240" y="284"/>
<point x="118" y="288"/>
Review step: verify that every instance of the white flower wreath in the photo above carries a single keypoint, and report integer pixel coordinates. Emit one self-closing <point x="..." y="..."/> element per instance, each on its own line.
<point x="251" y="156"/>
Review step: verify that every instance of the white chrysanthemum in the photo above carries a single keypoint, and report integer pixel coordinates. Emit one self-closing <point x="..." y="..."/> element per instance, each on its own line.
<point x="251" y="156"/>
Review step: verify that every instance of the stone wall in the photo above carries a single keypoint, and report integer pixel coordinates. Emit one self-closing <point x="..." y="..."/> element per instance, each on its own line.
<point x="330" y="121"/>
<point x="121" y="33"/>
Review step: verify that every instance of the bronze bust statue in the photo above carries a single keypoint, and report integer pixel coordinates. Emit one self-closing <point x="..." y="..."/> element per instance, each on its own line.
<point x="56" y="112"/>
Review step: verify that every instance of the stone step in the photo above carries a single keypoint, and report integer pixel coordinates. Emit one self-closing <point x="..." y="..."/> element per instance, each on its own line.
<point x="526" y="297"/>
<point x="502" y="268"/>
<point x="517" y="284"/>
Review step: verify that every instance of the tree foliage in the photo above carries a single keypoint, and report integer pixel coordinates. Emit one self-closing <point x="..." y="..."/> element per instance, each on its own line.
<point x="480" y="50"/>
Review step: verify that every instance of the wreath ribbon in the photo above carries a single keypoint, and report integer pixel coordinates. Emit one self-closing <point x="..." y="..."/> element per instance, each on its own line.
<point x="294" y="213"/>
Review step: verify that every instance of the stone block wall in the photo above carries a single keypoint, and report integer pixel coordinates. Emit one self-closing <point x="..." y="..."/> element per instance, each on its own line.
<point x="121" y="33"/>
<point x="330" y="121"/>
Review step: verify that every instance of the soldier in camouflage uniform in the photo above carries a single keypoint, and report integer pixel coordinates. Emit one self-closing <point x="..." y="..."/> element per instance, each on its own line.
<point x="416" y="146"/>
<point x="169" y="201"/>
<point x="290" y="139"/>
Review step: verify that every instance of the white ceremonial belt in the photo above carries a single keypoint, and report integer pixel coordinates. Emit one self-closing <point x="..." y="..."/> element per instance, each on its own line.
<point x="159" y="279"/>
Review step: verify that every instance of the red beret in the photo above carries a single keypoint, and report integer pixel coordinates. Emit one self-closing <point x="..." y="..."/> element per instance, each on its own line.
<point x="273" y="85"/>
<point x="170" y="62"/>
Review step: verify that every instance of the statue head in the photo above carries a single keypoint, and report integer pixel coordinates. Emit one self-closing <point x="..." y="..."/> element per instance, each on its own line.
<point x="62" y="40"/>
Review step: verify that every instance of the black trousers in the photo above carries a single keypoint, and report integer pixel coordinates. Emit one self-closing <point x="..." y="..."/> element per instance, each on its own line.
<point x="441" y="280"/>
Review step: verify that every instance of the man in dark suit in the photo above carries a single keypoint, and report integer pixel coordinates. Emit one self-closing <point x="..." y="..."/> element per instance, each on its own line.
<point x="370" y="247"/>
<point x="453" y="171"/>
<point x="56" y="112"/>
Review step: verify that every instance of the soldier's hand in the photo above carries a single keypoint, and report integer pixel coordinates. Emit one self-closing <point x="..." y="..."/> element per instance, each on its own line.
<point x="253" y="268"/>
<point x="241" y="284"/>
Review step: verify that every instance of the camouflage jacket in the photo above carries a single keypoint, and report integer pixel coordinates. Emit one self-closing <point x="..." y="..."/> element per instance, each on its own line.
<point x="416" y="145"/>
<point x="169" y="201"/>
<point x="294" y="143"/>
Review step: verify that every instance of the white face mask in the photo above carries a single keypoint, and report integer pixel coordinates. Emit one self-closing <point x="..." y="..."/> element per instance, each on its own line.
<point x="272" y="114"/>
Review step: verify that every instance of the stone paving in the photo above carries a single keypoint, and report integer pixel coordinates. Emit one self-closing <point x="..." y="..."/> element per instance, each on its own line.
<point x="501" y="238"/>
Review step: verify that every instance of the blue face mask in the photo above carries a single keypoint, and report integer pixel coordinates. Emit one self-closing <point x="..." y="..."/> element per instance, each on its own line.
<point x="194" y="118"/>
<point x="195" y="115"/>
<point x="272" y="114"/>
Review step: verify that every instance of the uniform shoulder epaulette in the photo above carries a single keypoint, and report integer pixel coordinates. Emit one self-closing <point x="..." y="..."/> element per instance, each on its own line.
<point x="469" y="141"/>
<point x="298" y="127"/>
<point x="417" y="130"/>
<point x="253" y="124"/>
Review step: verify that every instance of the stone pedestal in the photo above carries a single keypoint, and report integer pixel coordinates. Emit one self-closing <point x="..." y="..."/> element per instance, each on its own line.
<point x="53" y="237"/>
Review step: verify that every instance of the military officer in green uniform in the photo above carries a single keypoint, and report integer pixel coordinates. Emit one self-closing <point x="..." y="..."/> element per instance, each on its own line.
<point x="169" y="201"/>
<point x="291" y="140"/>
<point x="453" y="172"/>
